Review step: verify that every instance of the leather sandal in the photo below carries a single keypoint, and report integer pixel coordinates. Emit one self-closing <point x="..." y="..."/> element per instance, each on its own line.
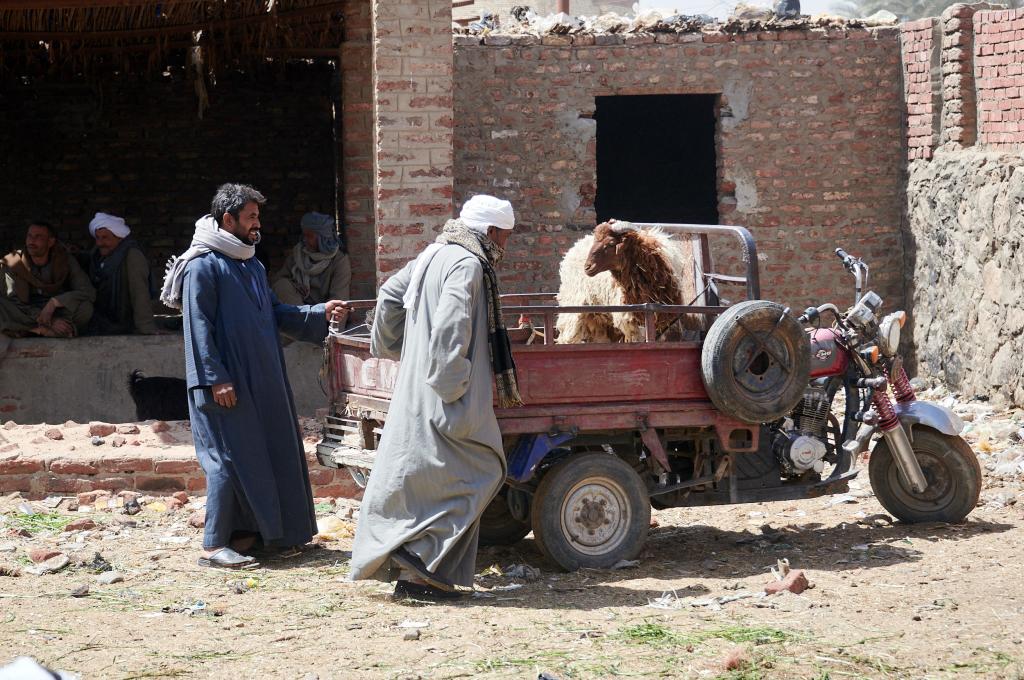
<point x="226" y="558"/>
<point x="407" y="560"/>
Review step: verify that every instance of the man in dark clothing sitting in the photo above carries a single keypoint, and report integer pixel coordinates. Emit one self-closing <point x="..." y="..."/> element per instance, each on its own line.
<point x="43" y="290"/>
<point x="120" y="273"/>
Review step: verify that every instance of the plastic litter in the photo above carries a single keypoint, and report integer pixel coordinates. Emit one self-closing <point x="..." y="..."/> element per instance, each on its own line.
<point x="334" y="529"/>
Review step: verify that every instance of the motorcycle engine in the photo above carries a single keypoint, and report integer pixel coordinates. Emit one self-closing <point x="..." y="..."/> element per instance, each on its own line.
<point x="800" y="443"/>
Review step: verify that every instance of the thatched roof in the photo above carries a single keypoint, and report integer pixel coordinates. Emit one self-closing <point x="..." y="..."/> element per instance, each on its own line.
<point x="46" y="36"/>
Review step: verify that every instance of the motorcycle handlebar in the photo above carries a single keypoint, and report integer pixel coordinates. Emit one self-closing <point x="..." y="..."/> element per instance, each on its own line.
<point x="847" y="259"/>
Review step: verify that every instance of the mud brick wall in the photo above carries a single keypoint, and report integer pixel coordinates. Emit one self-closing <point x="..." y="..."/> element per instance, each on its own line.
<point x="999" y="69"/>
<point x="809" y="147"/>
<point x="134" y="146"/>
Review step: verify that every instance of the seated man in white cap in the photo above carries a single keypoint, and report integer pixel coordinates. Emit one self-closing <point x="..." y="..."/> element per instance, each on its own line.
<point x="440" y="461"/>
<point x="43" y="290"/>
<point x="120" y="273"/>
<point x="316" y="269"/>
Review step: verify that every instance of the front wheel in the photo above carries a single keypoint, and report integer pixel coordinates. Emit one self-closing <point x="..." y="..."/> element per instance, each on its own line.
<point x="949" y="466"/>
<point x="591" y="510"/>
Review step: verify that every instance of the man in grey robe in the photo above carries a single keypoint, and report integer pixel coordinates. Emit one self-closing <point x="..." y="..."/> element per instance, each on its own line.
<point x="440" y="459"/>
<point x="243" y="415"/>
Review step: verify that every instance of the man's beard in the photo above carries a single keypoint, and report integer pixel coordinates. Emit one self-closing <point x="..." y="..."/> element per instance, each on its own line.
<point x="251" y="241"/>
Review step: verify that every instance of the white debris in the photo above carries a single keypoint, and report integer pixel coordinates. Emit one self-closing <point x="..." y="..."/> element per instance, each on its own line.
<point x="414" y="624"/>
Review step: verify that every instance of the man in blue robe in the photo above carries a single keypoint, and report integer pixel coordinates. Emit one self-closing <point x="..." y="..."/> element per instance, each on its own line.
<point x="243" y="415"/>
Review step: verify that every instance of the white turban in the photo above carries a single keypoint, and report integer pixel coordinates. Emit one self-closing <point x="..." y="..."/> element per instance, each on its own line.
<point x="483" y="211"/>
<point x="116" y="225"/>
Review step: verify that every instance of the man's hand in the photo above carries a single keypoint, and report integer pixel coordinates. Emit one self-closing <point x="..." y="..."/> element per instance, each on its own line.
<point x="337" y="311"/>
<point x="45" y="317"/>
<point x="63" y="328"/>
<point x="224" y="394"/>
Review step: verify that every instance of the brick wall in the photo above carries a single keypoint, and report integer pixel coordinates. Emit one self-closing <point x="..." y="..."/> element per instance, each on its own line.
<point x="959" y="117"/>
<point x="809" y="143"/>
<point x="41" y="475"/>
<point x="503" y="8"/>
<point x="134" y="146"/>
<point x="356" y="136"/>
<point x="920" y="87"/>
<point x="999" y="70"/>
<point x="412" y="66"/>
<point x="964" y="80"/>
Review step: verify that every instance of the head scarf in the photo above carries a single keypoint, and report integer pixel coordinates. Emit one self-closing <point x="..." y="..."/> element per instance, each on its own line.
<point x="484" y="211"/>
<point x="456" y="232"/>
<point x="323" y="226"/>
<point x="115" y="224"/>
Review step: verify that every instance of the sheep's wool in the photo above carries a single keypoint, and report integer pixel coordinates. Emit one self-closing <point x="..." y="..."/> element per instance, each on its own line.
<point x="576" y="288"/>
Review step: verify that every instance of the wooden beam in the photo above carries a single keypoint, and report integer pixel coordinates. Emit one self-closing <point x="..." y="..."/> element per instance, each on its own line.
<point x="27" y="5"/>
<point x="164" y="30"/>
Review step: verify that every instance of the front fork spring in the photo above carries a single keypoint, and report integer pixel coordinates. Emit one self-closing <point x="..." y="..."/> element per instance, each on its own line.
<point x="901" y="387"/>
<point x="887" y="419"/>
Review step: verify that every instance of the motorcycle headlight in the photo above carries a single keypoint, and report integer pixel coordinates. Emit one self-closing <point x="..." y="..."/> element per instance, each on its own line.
<point x="889" y="332"/>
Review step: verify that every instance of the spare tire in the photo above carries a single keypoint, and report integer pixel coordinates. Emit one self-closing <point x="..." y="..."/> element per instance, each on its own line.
<point x="756" y="362"/>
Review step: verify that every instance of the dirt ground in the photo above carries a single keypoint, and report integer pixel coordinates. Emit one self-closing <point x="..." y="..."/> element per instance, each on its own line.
<point x="889" y="600"/>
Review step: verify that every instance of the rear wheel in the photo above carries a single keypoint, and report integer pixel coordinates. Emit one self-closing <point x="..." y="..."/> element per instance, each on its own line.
<point x="591" y="510"/>
<point x="950" y="467"/>
<point x="498" y="526"/>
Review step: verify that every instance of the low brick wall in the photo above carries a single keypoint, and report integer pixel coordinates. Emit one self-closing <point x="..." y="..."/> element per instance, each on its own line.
<point x="38" y="469"/>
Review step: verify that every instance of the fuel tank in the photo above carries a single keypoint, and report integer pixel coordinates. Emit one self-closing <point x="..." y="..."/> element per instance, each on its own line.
<point x="828" y="358"/>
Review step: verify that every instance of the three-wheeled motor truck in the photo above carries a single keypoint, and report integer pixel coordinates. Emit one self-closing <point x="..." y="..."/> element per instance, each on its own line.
<point x="764" y="406"/>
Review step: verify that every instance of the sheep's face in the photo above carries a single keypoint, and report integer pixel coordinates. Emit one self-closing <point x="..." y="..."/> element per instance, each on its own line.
<point x="605" y="253"/>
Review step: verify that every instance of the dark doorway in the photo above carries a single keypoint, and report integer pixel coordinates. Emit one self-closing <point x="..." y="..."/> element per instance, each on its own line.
<point x="656" y="158"/>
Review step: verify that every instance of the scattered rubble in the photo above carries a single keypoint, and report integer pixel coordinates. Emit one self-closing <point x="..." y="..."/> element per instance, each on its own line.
<point x="745" y="18"/>
<point x="108" y="578"/>
<point x="80" y="591"/>
<point x="97" y="429"/>
<point x="795" y="582"/>
<point x="40" y="555"/>
<point x="51" y="565"/>
<point x="54" y="434"/>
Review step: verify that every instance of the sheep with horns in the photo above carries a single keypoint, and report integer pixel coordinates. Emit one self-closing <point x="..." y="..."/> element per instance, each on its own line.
<point x="621" y="264"/>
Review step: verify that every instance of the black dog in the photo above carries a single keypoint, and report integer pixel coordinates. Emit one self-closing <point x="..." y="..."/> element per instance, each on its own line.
<point x="158" y="398"/>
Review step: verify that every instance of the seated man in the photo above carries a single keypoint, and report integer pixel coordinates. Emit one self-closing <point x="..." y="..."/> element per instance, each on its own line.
<point x="316" y="270"/>
<point x="120" y="272"/>
<point x="45" y="291"/>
